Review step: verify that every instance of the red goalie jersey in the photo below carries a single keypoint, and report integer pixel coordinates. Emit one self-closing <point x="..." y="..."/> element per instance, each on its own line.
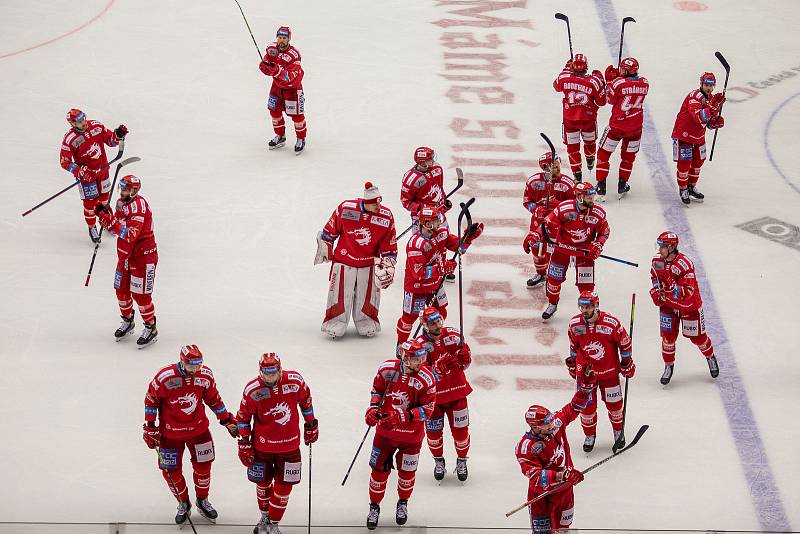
<point x="362" y="236"/>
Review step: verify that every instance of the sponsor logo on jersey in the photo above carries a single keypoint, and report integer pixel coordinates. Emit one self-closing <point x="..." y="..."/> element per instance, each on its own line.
<point x="97" y="130"/>
<point x="380" y="221"/>
<point x="202" y="382"/>
<point x="174" y="383"/>
<point x="187" y="403"/>
<point x="352" y="215"/>
<point x="290" y="388"/>
<point x="579" y="330"/>
<point x="604" y="330"/>
<point x="592" y="220"/>
<point x="281" y="413"/>
<point x="594" y="350"/>
<point x="362" y="235"/>
<point x="78" y="141"/>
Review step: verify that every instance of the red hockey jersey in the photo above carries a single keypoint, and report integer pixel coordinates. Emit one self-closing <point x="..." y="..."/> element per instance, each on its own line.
<point x="542" y="457"/>
<point x="537" y="190"/>
<point x="416" y="394"/>
<point x="362" y="236"/>
<point x="692" y="118"/>
<point x="291" y="75"/>
<point x="452" y="385"/>
<point x="422" y="188"/>
<point x="568" y="225"/>
<point x="601" y="345"/>
<point x="626" y="96"/>
<point x="134" y="228"/>
<point x="425" y="258"/>
<point x="678" y="282"/>
<point x="583" y="95"/>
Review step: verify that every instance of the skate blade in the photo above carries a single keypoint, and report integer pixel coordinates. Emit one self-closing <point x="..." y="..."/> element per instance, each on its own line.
<point x="299" y="152"/>
<point x="118" y="339"/>
<point x="699" y="200"/>
<point x="153" y="342"/>
<point x="276" y="146"/>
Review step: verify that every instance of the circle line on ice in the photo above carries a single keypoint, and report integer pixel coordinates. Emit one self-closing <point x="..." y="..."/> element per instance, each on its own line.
<point x="770" y="156"/>
<point x="63" y="35"/>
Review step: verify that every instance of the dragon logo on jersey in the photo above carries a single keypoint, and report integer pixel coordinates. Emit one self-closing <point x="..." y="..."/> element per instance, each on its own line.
<point x="363" y="236"/>
<point x="581" y="234"/>
<point x="187" y="403"/>
<point x="94" y="151"/>
<point x="399" y="399"/>
<point x="559" y="456"/>
<point x="281" y="412"/>
<point x="595" y="350"/>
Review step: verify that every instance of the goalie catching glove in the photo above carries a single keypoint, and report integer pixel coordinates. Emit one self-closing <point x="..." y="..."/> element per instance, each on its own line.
<point x="384" y="272"/>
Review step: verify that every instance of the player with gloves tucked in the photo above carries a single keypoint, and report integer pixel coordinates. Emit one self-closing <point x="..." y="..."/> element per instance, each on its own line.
<point x="270" y="448"/>
<point x="83" y="153"/>
<point x="362" y="264"/>
<point x="282" y="64"/>
<point x="426" y="265"/>
<point x="175" y="397"/>
<point x="699" y="112"/>
<point x="544" y="191"/>
<point x="544" y="458"/>
<point x="599" y="344"/>
<point x="676" y="294"/>
<point x="625" y="91"/>
<point x="448" y="356"/>
<point x="583" y="96"/>
<point x="402" y="400"/>
<point x="579" y="223"/>
<point x="137" y="257"/>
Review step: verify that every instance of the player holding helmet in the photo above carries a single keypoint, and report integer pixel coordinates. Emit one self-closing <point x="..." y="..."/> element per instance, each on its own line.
<point x="699" y="112"/>
<point x="544" y="191"/>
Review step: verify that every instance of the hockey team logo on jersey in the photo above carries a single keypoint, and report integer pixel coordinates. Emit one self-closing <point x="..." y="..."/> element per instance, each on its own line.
<point x="595" y="350"/>
<point x="187" y="403"/>
<point x="559" y="456"/>
<point x="94" y="151"/>
<point x="281" y="413"/>
<point x="362" y="235"/>
<point x="399" y="399"/>
<point x="581" y="234"/>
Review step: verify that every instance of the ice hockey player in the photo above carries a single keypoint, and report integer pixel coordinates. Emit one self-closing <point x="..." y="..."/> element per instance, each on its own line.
<point x="583" y="95"/>
<point x="423" y="184"/>
<point x="270" y="449"/>
<point x="544" y="458"/>
<point x="677" y="295"/>
<point x="625" y="92"/>
<point x="175" y="397"/>
<point x="426" y="265"/>
<point x="700" y="111"/>
<point x="362" y="264"/>
<point x="599" y="343"/>
<point x="83" y="153"/>
<point x="544" y="191"/>
<point x="402" y="399"/>
<point x="282" y="64"/>
<point x="449" y="356"/>
<point x="578" y="223"/>
<point x="137" y="257"/>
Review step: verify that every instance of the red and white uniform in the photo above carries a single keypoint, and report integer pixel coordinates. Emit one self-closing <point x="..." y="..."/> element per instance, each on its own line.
<point x="571" y="226"/>
<point x="677" y="295"/>
<point x="626" y="96"/>
<point x="286" y="93"/>
<point x="137" y="257"/>
<point x="541" y="458"/>
<point x="425" y="258"/>
<point x="689" y="137"/>
<point x="452" y="388"/>
<point x="421" y="188"/>
<point x="601" y="346"/>
<point x="583" y="96"/>
<point x="361" y="238"/>
<point x="415" y="396"/>
<point x="535" y="199"/>
<point x="87" y="148"/>
<point x="176" y="400"/>
<point x="275" y="431"/>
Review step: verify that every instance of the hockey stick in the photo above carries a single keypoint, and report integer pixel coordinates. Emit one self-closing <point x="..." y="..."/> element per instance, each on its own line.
<point x="258" y="50"/>
<point x="309" y="488"/>
<point x="456" y="255"/>
<point x="582" y="250"/>
<point x="549" y="182"/>
<point x="561" y="16"/>
<point x="618" y="444"/>
<point x="727" y="68"/>
<point x="97" y="245"/>
<point x="460" y="284"/>
<point x="77" y="181"/>
<point x="622" y="37"/>
<point x="460" y="175"/>
<point x="555" y="489"/>
<point x="161" y="461"/>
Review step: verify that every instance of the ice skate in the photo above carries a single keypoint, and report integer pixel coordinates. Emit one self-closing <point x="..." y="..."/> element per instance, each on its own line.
<point x="536" y="280"/>
<point x="588" y="443"/>
<point x="450" y="277"/>
<point x="373" y="515"/>
<point x="277" y="142"/>
<point x="125" y="328"/>
<point x="148" y="336"/>
<point x="590" y="163"/>
<point x="667" y="375"/>
<point x="619" y="439"/>
<point x="713" y="366"/>
<point x="685" y="196"/>
<point x="461" y="469"/>
<point x="263" y="524"/>
<point x="695" y="194"/>
<point x="601" y="190"/>
<point x="549" y="311"/>
<point x="206" y="510"/>
<point x="578" y="177"/>
<point x="401" y="514"/>
<point x="439" y="468"/>
<point x="622" y="188"/>
<point x="299" y="146"/>
<point x="183" y="512"/>
<point x="94" y="234"/>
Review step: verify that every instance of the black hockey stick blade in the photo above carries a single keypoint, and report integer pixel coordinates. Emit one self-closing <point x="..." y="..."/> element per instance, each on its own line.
<point x="630" y="445"/>
<point x="549" y="143"/>
<point x="128" y="161"/>
<point x="460" y="178"/>
<point x="627" y="20"/>
<point x="561" y="16"/>
<point x="722" y="60"/>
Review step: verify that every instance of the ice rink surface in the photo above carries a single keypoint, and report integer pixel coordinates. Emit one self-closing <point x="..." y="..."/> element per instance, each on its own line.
<point x="235" y="226"/>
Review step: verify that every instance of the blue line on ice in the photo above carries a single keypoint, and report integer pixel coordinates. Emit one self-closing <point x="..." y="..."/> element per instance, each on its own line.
<point x="767" y="129"/>
<point x="752" y="455"/>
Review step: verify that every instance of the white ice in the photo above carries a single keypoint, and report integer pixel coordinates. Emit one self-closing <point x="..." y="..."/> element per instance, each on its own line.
<point x="235" y="225"/>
